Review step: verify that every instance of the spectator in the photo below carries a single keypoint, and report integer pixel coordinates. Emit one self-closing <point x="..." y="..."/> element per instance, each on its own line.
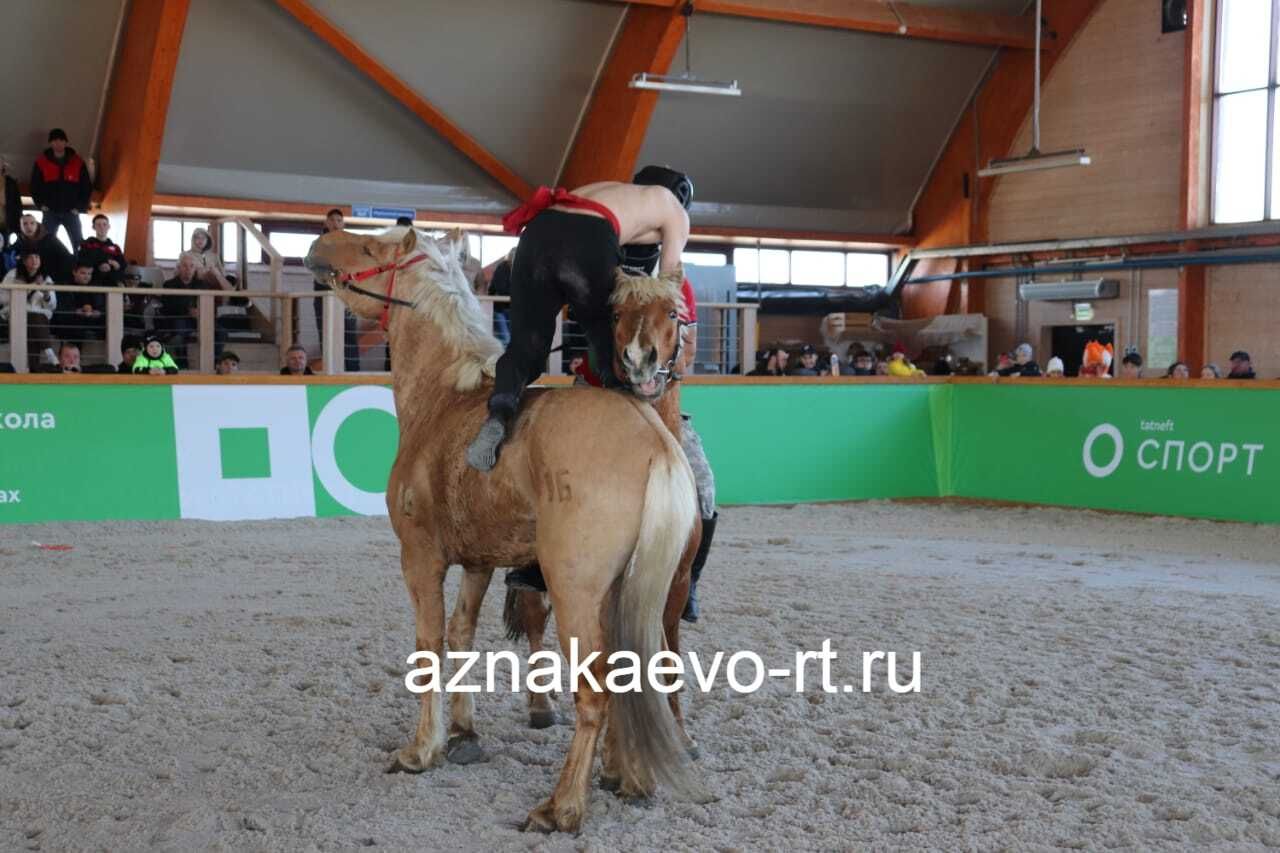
<point x="228" y="364"/>
<point x="942" y="365"/>
<point x="1022" y="363"/>
<point x="1131" y="366"/>
<point x="1055" y="369"/>
<point x="295" y="363"/>
<point x="130" y="347"/>
<point x="10" y="209"/>
<point x="334" y="221"/>
<point x="103" y="256"/>
<point x="864" y="364"/>
<point x="55" y="260"/>
<point x="1241" y="366"/>
<point x="1004" y="363"/>
<point x="40" y="307"/>
<point x="69" y="357"/>
<point x="808" y="362"/>
<point x="1210" y="371"/>
<point x="60" y="186"/>
<point x="899" y="366"/>
<point x="208" y="264"/>
<point x="767" y="362"/>
<point x="1178" y="370"/>
<point x="80" y="315"/>
<point x="153" y="359"/>
<point x="177" y="320"/>
<point x="1096" y="362"/>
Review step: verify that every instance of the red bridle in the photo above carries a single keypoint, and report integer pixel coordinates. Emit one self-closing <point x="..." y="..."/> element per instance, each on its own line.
<point x="387" y="299"/>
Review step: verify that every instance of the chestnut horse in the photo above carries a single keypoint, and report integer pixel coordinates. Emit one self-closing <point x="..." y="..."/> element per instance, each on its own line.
<point x="591" y="485"/>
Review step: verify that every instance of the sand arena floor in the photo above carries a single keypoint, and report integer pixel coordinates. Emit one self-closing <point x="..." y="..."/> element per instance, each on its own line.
<point x="1088" y="681"/>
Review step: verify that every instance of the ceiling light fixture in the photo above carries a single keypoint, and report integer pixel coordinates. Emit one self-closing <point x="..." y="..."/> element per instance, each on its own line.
<point x="685" y="82"/>
<point x="1034" y="160"/>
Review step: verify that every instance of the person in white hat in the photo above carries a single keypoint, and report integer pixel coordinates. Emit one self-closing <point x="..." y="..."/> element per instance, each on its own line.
<point x="1055" y="369"/>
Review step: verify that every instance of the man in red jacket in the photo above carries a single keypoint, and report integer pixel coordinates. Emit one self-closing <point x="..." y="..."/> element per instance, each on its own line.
<point x="61" y="187"/>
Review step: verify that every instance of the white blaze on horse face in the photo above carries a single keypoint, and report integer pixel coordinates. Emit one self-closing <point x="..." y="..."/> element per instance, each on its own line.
<point x="634" y="352"/>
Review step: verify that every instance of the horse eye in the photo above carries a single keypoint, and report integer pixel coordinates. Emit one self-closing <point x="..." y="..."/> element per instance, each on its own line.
<point x="672" y="315"/>
<point x="617" y="317"/>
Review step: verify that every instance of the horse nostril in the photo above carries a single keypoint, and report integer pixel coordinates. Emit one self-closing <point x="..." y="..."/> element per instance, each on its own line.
<point x="653" y="355"/>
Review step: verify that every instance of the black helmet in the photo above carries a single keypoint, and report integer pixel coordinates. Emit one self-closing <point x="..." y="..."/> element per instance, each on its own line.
<point x="660" y="176"/>
<point x="641" y="256"/>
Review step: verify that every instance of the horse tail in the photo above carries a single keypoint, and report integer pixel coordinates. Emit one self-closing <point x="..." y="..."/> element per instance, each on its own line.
<point x="650" y="743"/>
<point x="513" y="615"/>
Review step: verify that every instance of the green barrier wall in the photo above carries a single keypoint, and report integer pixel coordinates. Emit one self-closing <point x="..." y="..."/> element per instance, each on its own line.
<point x="97" y="452"/>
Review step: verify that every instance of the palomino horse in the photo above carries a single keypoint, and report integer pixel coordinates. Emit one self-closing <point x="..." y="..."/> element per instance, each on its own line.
<point x="591" y="485"/>
<point x="650" y="355"/>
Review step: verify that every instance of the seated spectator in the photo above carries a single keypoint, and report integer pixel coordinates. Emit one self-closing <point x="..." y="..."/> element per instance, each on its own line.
<point x="808" y="362"/>
<point x="1131" y="365"/>
<point x="40" y="305"/>
<point x="1178" y="370"/>
<point x="69" y="357"/>
<point x="1210" y="371"/>
<point x="1022" y="363"/>
<point x="1096" y="362"/>
<point x="177" y="319"/>
<point x="208" y="263"/>
<point x="10" y="211"/>
<point x="130" y="347"/>
<point x="1055" y="369"/>
<point x="153" y="360"/>
<point x="864" y="363"/>
<point x="771" y="361"/>
<point x="899" y="366"/>
<point x="1241" y="366"/>
<point x="228" y="364"/>
<point x="942" y="366"/>
<point x="103" y="256"/>
<point x="80" y="315"/>
<point x="61" y="187"/>
<point x="295" y="363"/>
<point x="55" y="260"/>
<point x="1004" y="363"/>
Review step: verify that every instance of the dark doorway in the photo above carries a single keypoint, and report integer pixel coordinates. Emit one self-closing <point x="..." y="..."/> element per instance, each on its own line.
<point x="1069" y="341"/>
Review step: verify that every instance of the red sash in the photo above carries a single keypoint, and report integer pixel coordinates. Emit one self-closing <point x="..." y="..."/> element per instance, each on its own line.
<point x="515" y="221"/>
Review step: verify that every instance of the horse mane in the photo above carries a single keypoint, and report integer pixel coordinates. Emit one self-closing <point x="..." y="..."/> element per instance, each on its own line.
<point x="442" y="294"/>
<point x="644" y="289"/>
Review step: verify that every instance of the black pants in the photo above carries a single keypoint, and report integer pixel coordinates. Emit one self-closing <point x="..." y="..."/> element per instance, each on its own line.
<point x="562" y="258"/>
<point x="68" y="220"/>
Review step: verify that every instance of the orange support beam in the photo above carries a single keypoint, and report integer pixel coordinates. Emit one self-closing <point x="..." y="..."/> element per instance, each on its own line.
<point x="138" y="103"/>
<point x="617" y="119"/>
<point x="1193" y="296"/>
<point x="431" y="115"/>
<point x="909" y="20"/>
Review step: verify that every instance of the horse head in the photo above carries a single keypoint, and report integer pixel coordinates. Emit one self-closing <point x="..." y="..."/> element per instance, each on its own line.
<point x="647" y="331"/>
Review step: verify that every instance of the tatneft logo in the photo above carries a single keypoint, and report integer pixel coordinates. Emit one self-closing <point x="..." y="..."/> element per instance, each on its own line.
<point x="254" y="456"/>
<point x="1104" y="452"/>
<point x="10" y="496"/>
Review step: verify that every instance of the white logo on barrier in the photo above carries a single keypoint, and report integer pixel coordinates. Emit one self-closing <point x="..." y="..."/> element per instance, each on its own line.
<point x="1202" y="457"/>
<point x="286" y="490"/>
<point x="331" y="419"/>
<point x="200" y="413"/>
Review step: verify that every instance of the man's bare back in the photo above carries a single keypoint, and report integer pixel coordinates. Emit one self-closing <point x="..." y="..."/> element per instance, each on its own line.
<point x="646" y="214"/>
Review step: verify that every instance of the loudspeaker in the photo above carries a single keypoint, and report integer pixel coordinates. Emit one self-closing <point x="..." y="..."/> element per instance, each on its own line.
<point x="1173" y="15"/>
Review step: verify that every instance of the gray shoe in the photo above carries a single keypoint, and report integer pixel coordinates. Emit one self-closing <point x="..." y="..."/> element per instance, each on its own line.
<point x="483" y="452"/>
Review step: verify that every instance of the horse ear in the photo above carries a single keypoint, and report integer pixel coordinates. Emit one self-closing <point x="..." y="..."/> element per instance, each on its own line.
<point x="410" y="241"/>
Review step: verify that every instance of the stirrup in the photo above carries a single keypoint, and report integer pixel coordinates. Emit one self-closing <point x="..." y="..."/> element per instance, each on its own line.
<point x="482" y="455"/>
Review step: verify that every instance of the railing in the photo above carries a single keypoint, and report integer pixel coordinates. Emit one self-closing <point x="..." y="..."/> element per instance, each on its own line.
<point x="244" y="230"/>
<point x="732" y="325"/>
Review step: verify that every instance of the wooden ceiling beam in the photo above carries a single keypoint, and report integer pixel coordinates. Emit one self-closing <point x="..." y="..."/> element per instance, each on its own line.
<point x="429" y="113"/>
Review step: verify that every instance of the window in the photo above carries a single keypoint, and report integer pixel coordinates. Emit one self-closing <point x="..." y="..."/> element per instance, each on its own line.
<point x="230" y="234"/>
<point x="166" y="239"/>
<point x="704" y="259"/>
<point x="494" y="247"/>
<point x="292" y="244"/>
<point x="1244" y="110"/>
<point x="811" y="268"/>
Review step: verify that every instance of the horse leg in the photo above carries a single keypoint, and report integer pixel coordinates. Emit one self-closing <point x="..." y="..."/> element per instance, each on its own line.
<point x="542" y="714"/>
<point x="676" y="599"/>
<point x="424" y="571"/>
<point x="463" y="744"/>
<point x="567" y="806"/>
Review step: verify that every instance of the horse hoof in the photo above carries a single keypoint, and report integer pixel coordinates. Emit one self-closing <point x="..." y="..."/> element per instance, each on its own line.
<point x="693" y="751"/>
<point x="399" y="765"/>
<point x="540" y="820"/>
<point x="542" y="719"/>
<point x="464" y="749"/>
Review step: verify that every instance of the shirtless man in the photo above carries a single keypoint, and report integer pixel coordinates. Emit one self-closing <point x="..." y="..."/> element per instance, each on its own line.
<point x="570" y="247"/>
